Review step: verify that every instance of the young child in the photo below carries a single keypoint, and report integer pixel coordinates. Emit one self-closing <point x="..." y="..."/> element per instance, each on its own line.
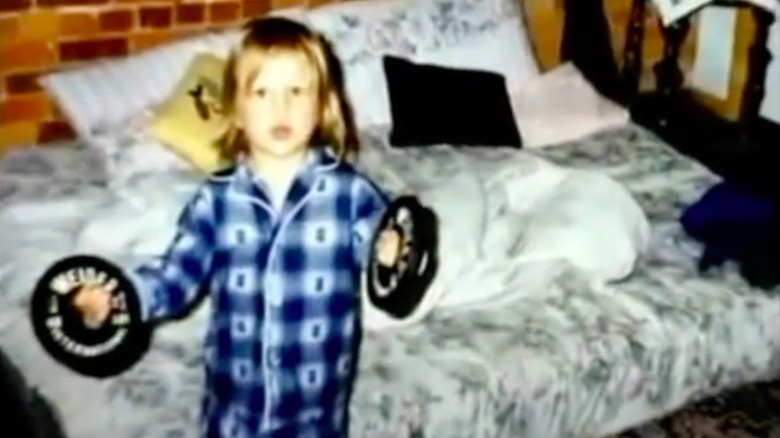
<point x="278" y="242"/>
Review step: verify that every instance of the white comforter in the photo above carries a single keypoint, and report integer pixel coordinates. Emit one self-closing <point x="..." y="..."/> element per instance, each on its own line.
<point x="509" y="221"/>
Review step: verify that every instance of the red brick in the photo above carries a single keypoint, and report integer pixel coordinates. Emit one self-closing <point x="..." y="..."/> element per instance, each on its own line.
<point x="92" y="49"/>
<point x="9" y="29"/>
<point x="78" y="24"/>
<point x="38" y="24"/>
<point x="24" y="108"/>
<point x="57" y="3"/>
<point x="18" y="133"/>
<point x="25" y="55"/>
<point x="145" y="40"/>
<point x="222" y="12"/>
<point x="22" y="83"/>
<point x="255" y="8"/>
<point x="14" y="5"/>
<point x="284" y="4"/>
<point x="182" y="33"/>
<point x="190" y="13"/>
<point x="118" y="20"/>
<point x="155" y="16"/>
<point x="56" y="112"/>
<point x="55" y="130"/>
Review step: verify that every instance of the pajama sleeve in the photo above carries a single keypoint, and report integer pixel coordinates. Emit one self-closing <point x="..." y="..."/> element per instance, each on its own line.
<point x="168" y="286"/>
<point x="369" y="204"/>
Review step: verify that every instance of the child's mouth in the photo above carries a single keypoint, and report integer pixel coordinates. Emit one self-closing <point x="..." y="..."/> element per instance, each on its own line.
<point x="281" y="132"/>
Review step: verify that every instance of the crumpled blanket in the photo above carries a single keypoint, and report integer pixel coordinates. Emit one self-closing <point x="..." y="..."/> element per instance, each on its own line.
<point x="509" y="222"/>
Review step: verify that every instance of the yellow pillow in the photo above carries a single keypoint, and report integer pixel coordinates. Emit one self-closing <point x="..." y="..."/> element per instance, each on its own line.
<point x="190" y="122"/>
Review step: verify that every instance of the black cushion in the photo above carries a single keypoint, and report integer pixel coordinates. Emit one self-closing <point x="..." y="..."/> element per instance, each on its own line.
<point x="430" y="105"/>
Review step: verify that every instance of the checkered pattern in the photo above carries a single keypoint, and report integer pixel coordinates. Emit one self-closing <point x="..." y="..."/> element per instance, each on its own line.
<point x="284" y="287"/>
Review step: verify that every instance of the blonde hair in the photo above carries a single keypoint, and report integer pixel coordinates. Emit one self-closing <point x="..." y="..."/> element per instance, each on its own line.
<point x="266" y="37"/>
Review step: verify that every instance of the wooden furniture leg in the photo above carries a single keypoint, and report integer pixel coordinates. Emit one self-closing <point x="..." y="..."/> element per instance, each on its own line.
<point x="586" y="43"/>
<point x="632" y="51"/>
<point x="669" y="76"/>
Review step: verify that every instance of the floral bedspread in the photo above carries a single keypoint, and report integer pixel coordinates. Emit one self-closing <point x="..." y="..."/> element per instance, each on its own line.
<point x="574" y="361"/>
<point x="581" y="361"/>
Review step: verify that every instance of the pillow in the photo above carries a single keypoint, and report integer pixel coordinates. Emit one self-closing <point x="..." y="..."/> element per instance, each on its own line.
<point x="562" y="106"/>
<point x="372" y="28"/>
<point x="437" y="105"/>
<point x="99" y="97"/>
<point x="189" y="122"/>
<point x="502" y="49"/>
<point x="362" y="32"/>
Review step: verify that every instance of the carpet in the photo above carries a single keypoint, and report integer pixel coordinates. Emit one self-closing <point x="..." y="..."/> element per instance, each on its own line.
<point x="749" y="412"/>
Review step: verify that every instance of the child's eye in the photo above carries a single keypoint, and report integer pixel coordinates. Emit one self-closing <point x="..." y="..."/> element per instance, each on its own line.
<point x="260" y="92"/>
<point x="296" y="91"/>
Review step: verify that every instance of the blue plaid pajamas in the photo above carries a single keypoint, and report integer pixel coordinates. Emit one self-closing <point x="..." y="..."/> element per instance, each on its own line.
<point x="280" y="351"/>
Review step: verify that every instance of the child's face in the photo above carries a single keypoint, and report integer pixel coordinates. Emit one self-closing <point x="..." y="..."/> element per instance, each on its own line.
<point x="281" y="109"/>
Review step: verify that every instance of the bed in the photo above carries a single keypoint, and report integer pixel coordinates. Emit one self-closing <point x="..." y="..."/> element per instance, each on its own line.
<point x="570" y="360"/>
<point x="566" y="356"/>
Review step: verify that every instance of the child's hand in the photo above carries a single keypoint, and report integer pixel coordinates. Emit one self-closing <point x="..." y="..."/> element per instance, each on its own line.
<point x="388" y="247"/>
<point x="94" y="303"/>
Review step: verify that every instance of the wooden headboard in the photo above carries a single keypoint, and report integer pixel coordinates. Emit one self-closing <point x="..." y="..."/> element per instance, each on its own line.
<point x="545" y="20"/>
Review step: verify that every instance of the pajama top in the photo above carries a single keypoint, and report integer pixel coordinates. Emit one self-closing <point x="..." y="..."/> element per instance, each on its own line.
<point x="284" y="286"/>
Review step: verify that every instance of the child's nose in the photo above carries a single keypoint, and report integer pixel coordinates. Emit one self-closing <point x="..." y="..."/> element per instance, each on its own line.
<point x="281" y="103"/>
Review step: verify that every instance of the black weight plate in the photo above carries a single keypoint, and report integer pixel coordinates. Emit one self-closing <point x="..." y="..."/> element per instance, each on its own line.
<point x="411" y="287"/>
<point x="99" y="352"/>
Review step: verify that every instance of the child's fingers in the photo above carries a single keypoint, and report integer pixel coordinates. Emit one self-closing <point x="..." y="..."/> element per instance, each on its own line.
<point x="104" y="311"/>
<point x="82" y="299"/>
<point x="388" y="247"/>
<point x="97" y="307"/>
<point x="93" y="302"/>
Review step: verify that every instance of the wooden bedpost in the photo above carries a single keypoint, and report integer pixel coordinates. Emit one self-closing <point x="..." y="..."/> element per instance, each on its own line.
<point x="669" y="77"/>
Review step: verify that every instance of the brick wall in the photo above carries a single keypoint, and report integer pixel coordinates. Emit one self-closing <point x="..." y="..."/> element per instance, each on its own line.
<point x="40" y="35"/>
